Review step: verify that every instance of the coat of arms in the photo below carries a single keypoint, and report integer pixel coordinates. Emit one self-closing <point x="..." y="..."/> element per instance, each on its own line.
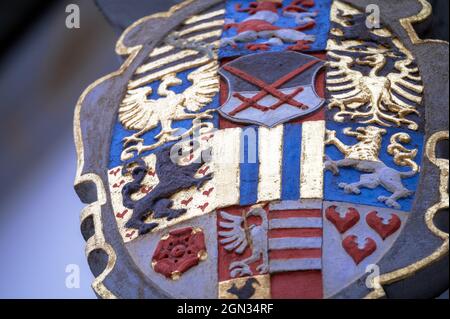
<point x="266" y="149"/>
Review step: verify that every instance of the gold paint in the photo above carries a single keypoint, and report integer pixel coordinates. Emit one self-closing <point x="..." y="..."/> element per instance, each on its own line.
<point x="200" y="27"/>
<point x="402" y="273"/>
<point x="442" y="164"/>
<point x="166" y="60"/>
<point x="97" y="241"/>
<point x="202" y="255"/>
<point x="171" y="70"/>
<point x="348" y="46"/>
<point x="407" y="24"/>
<point x="179" y="55"/>
<point x="336" y="32"/>
<point x="199" y="37"/>
<point x="161" y="50"/>
<point x="198" y="198"/>
<point x="351" y="90"/>
<point x="345" y="8"/>
<point x="270" y="150"/>
<point x="123" y="49"/>
<point x="205" y="16"/>
<point x="262" y="291"/>
<point x="382" y="32"/>
<point x="402" y="155"/>
<point x="175" y="275"/>
<point x="137" y="112"/>
<point x="117" y="200"/>
<point x="94" y="209"/>
<point x="372" y="89"/>
<point x="226" y="148"/>
<point x="312" y="154"/>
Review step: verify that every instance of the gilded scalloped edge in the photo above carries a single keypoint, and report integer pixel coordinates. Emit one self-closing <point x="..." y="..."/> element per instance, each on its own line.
<point x="442" y="164"/>
<point x="97" y="241"/>
<point x="122" y="49"/>
<point x="407" y="24"/>
<point x="402" y="273"/>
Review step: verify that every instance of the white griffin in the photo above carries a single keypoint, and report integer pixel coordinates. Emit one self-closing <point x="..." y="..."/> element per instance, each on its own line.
<point x="141" y="114"/>
<point x="238" y="238"/>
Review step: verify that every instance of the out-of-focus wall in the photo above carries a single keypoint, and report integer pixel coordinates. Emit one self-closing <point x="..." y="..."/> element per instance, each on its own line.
<point x="41" y="77"/>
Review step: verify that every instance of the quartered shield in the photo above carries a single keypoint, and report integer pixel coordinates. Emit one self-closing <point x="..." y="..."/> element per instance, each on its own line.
<point x="268" y="149"/>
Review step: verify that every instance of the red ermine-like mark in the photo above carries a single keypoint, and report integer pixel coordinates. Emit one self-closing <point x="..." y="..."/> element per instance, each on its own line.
<point x="203" y="170"/>
<point x="128" y="235"/>
<point x="185" y="202"/>
<point x="117" y="185"/>
<point x="114" y="172"/>
<point x="122" y="214"/>
<point x="146" y="189"/>
<point x="207" y="192"/>
<point x="203" y="207"/>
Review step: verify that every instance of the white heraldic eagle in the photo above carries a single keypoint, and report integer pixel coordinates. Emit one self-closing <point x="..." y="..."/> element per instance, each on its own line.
<point x="141" y="114"/>
<point x="237" y="238"/>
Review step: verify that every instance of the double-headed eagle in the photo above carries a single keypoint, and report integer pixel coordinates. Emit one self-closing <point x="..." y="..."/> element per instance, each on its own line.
<point x="139" y="113"/>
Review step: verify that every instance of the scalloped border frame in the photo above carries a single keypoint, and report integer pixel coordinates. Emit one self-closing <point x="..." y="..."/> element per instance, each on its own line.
<point x="97" y="240"/>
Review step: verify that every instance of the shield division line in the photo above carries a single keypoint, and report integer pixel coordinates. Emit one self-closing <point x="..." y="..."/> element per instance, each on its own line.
<point x="266" y="250"/>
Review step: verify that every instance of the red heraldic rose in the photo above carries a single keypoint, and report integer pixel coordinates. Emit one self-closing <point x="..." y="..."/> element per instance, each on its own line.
<point x="179" y="251"/>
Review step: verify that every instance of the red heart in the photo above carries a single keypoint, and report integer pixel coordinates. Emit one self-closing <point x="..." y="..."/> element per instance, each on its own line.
<point x="351" y="247"/>
<point x="384" y="230"/>
<point x="342" y="224"/>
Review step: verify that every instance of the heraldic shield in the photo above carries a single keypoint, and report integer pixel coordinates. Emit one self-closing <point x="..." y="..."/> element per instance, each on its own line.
<point x="280" y="89"/>
<point x="267" y="149"/>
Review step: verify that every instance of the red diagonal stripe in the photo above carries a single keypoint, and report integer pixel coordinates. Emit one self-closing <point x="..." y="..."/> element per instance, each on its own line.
<point x="266" y="89"/>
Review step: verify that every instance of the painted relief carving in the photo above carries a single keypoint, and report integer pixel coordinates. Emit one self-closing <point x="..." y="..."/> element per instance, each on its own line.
<point x="237" y="238"/>
<point x="139" y="113"/>
<point x="364" y="157"/>
<point x="363" y="88"/>
<point x="261" y="24"/>
<point x="173" y="178"/>
<point x="180" y="250"/>
<point x="240" y="169"/>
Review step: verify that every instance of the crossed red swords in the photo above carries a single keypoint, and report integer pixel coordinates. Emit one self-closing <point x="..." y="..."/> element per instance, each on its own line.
<point x="272" y="89"/>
